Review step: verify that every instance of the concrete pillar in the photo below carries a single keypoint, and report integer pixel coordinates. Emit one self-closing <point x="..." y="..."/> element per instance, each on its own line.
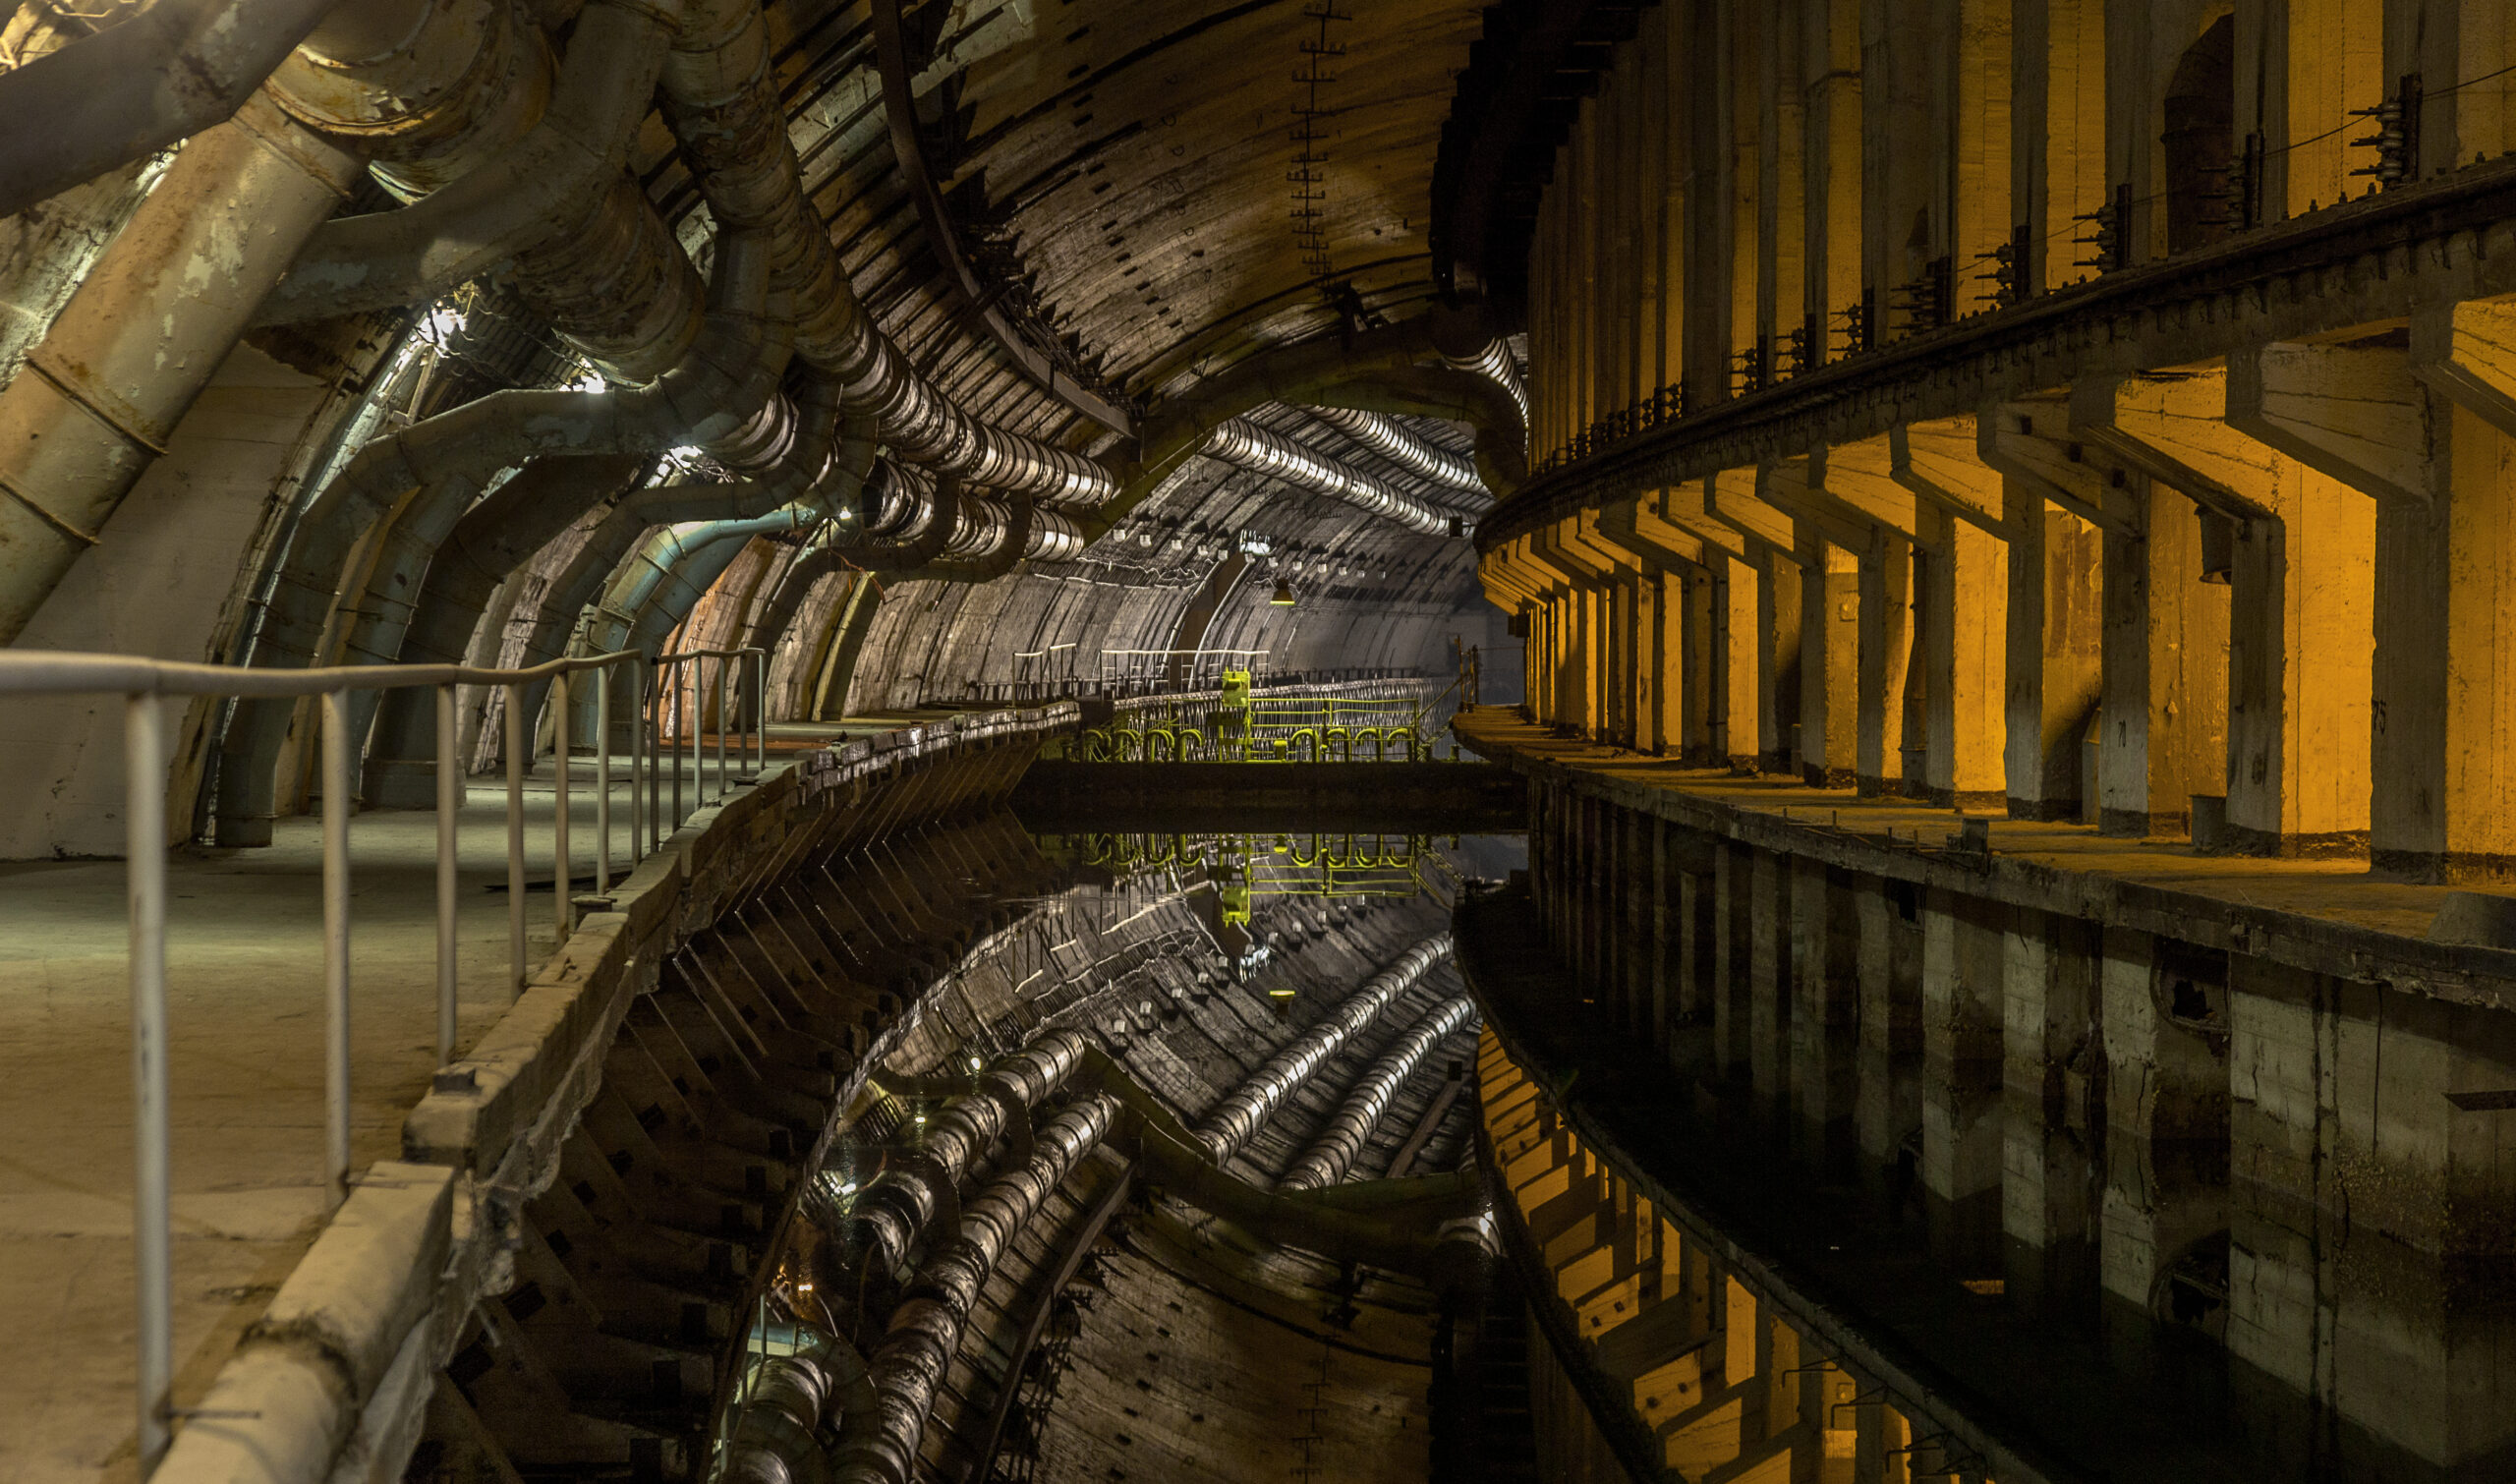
<point x="1961" y="1011"/>
<point x="2166" y="1113"/>
<point x="2162" y="671"/>
<point x="2053" y="670"/>
<point x="1704" y="631"/>
<point x="1732" y="935"/>
<point x="1885" y="581"/>
<point x="2300" y="572"/>
<point x="2441" y="459"/>
<point x="1887" y="1104"/>
<point x="2049" y="1067"/>
<point x="1963" y="586"/>
<point x="1771" y="925"/>
<point x="1780" y="614"/>
<point x="1825" y="1013"/>
<point x="1736" y="605"/>
<point x="1829" y="667"/>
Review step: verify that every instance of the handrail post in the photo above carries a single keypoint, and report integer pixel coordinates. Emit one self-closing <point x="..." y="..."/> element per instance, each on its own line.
<point x="449" y="803"/>
<point x="672" y="680"/>
<point x="336" y="946"/>
<point x="515" y="837"/>
<point x="603" y="780"/>
<point x="760" y="710"/>
<point x="722" y="666"/>
<point x="563" y="868"/>
<point x="637" y="759"/>
<point x="689" y="725"/>
<point x="145" y="881"/>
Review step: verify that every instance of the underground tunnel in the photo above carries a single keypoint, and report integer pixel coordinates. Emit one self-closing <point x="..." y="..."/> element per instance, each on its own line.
<point x="1056" y="741"/>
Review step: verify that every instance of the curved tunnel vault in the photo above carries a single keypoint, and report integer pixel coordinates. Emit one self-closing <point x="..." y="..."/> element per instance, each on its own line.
<point x="2063" y="446"/>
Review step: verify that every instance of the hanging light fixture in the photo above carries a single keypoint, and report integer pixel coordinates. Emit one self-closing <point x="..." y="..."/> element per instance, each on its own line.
<point x="1283" y="597"/>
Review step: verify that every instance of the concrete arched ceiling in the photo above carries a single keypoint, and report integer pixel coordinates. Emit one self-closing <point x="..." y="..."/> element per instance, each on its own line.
<point x="1148" y="153"/>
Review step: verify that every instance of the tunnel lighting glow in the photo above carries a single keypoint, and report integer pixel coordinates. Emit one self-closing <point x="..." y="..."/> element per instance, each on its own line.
<point x="847" y="1189"/>
<point x="1281" y="993"/>
<point x="921" y="1118"/>
<point x="975" y="1063"/>
<point x="803" y="1288"/>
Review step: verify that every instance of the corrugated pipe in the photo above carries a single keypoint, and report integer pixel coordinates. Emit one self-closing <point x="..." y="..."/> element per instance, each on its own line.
<point x="717" y="393"/>
<point x="1238" y="1121"/>
<point x="935" y="516"/>
<point x="926" y="1332"/>
<point x="722" y="106"/>
<point x="1383" y="436"/>
<point x="164" y="75"/>
<point x="800" y="1398"/>
<point x="893" y="1212"/>
<point x="1246" y="445"/>
<point x="550" y="186"/>
<point x="1332" y="1152"/>
<point x="1493" y="362"/>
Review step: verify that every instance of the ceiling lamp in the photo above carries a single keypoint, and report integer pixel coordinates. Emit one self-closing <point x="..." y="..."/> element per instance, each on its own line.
<point x="1283" y="597"/>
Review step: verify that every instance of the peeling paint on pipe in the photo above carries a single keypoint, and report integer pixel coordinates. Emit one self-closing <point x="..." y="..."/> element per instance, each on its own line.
<point x="169" y="72"/>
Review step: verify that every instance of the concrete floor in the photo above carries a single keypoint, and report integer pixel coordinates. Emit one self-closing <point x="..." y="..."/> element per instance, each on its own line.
<point x="2338" y="890"/>
<point x="245" y="985"/>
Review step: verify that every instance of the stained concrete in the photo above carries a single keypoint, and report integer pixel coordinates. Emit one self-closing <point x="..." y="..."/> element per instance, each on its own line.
<point x="245" y="1007"/>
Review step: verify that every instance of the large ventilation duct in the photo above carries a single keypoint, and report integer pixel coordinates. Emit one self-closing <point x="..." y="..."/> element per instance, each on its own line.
<point x="555" y="184"/>
<point x="716" y="394"/>
<point x="1383" y="436"/>
<point x="1334" y="1151"/>
<point x="926" y="1332"/>
<point x="1247" y="1109"/>
<point x="164" y="75"/>
<point x="1494" y="362"/>
<point x="1246" y="445"/>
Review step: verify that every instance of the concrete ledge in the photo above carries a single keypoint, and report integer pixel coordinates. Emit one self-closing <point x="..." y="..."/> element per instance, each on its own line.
<point x="295" y="1389"/>
<point x="333" y="1383"/>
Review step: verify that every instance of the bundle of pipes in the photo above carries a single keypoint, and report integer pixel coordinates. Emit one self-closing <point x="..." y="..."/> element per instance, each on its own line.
<point x="778" y="1430"/>
<point x="1384" y="436"/>
<point x="926" y="1332"/>
<point x="894" y="1211"/>
<point x="1246" y="445"/>
<point x="1247" y="1111"/>
<point x="1332" y="1152"/>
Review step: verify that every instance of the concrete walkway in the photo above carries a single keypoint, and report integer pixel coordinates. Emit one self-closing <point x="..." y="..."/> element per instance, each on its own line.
<point x="245" y="987"/>
<point x="2334" y="890"/>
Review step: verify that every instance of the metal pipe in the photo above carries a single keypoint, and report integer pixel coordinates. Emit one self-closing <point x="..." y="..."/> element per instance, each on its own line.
<point x="926" y="1331"/>
<point x="166" y="73"/>
<point x="100" y="397"/>
<point x="895" y="1209"/>
<point x="563" y="865"/>
<point x="449" y="803"/>
<point x="716" y="392"/>
<point x="603" y="782"/>
<point x="515" y="836"/>
<point x="1246" y="445"/>
<point x="1414" y="454"/>
<point x="152" y="1232"/>
<point x="1240" y="1116"/>
<point x="336" y="946"/>
<point x="1334" y="1151"/>
<point x="552" y="185"/>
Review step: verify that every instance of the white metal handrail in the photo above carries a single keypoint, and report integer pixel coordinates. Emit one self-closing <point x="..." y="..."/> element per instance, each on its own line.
<point x="141" y="682"/>
<point x="687" y="727"/>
